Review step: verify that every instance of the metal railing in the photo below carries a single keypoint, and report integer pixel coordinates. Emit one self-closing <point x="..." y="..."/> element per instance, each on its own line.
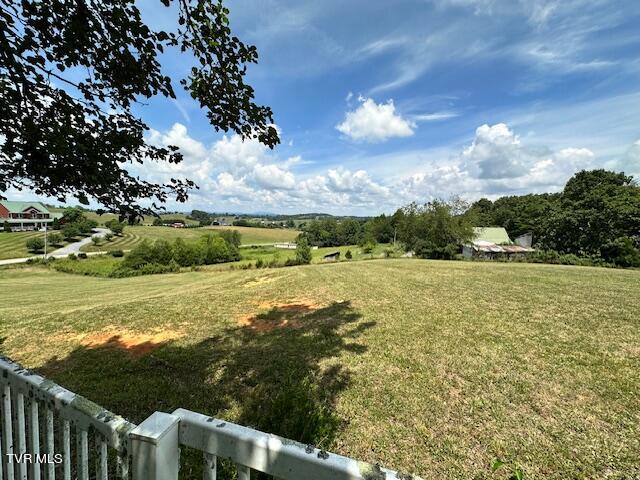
<point x="151" y="449"/>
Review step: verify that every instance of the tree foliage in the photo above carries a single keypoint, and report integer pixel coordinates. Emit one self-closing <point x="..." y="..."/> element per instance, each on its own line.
<point x="435" y="229"/>
<point x="70" y="76"/>
<point x="35" y="244"/>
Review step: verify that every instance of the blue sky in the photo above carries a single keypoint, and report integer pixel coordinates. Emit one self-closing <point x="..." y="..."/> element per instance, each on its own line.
<point x="381" y="103"/>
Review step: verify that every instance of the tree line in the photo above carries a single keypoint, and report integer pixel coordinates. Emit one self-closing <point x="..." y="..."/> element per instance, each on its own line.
<point x="596" y="216"/>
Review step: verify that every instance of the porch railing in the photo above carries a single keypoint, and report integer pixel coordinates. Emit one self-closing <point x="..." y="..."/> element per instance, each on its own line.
<point x="151" y="449"/>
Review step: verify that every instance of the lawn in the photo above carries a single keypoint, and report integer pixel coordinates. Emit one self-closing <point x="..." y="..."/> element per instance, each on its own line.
<point x="134" y="235"/>
<point x="13" y="244"/>
<point x="435" y="368"/>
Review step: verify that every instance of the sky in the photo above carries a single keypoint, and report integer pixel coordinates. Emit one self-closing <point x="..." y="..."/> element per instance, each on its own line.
<point x="381" y="103"/>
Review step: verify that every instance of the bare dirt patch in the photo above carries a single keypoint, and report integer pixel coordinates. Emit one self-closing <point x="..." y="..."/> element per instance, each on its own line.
<point x="136" y="344"/>
<point x="278" y="315"/>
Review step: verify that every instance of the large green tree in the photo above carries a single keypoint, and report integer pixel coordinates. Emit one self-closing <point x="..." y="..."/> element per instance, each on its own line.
<point x="596" y="208"/>
<point x="71" y="73"/>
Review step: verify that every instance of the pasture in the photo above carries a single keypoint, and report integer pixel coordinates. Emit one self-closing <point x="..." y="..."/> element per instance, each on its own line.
<point x="136" y="234"/>
<point x="435" y="368"/>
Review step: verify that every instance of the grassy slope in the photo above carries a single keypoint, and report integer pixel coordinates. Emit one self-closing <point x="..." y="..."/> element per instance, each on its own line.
<point x="134" y="235"/>
<point x="432" y="367"/>
<point x="13" y="245"/>
<point x="105" y="217"/>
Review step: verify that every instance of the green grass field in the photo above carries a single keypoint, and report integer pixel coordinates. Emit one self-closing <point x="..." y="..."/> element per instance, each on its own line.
<point x="13" y="245"/>
<point x="435" y="368"/>
<point x="134" y="235"/>
<point x="105" y="217"/>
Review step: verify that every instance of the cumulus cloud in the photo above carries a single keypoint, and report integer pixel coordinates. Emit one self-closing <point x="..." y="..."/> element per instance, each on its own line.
<point x="496" y="162"/>
<point x="373" y="122"/>
<point x="631" y="164"/>
<point x="245" y="175"/>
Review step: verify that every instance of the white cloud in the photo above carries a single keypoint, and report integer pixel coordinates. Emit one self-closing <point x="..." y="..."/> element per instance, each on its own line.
<point x="374" y="122"/>
<point x="272" y="176"/>
<point x="434" y="117"/>
<point x="496" y="153"/>
<point x="631" y="164"/>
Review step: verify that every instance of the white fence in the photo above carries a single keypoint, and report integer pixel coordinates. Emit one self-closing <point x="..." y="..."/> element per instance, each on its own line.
<point x="64" y="433"/>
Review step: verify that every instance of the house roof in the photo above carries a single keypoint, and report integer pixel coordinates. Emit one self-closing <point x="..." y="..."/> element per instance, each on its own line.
<point x="496" y="235"/>
<point x="19" y="207"/>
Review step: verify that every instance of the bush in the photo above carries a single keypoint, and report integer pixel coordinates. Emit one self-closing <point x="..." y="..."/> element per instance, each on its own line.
<point x="86" y="226"/>
<point x="186" y="254"/>
<point x="116" y="253"/>
<point x="216" y="250"/>
<point x="303" y="251"/>
<point x="210" y="249"/>
<point x="232" y="237"/>
<point x="54" y="238"/>
<point x="96" y="240"/>
<point x="259" y="263"/>
<point x="368" y="247"/>
<point x="425" y="249"/>
<point x="348" y="255"/>
<point x="115" y="226"/>
<point x="35" y="244"/>
<point x="70" y="231"/>
<point x="6" y="227"/>
<point x="82" y="255"/>
<point x="72" y="256"/>
<point x="108" y="236"/>
<point x="621" y="252"/>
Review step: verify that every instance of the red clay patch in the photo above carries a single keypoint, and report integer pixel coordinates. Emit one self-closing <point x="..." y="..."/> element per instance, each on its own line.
<point x="277" y="315"/>
<point x="134" y="343"/>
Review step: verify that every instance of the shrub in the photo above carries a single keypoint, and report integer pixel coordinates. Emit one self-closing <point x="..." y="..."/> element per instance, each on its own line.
<point x="6" y="227"/>
<point x="116" y="253"/>
<point x="96" y="240"/>
<point x="86" y="226"/>
<point x="186" y="254"/>
<point x="70" y="231"/>
<point x="388" y="252"/>
<point x="82" y="255"/>
<point x="215" y="250"/>
<point x="232" y="237"/>
<point x="348" y="255"/>
<point x="161" y="252"/>
<point x="72" y="256"/>
<point x="303" y="251"/>
<point x="108" y="236"/>
<point x="54" y="238"/>
<point x="368" y="247"/>
<point x="35" y="244"/>
<point x="259" y="263"/>
<point x="115" y="226"/>
<point x="426" y="249"/>
<point x="621" y="252"/>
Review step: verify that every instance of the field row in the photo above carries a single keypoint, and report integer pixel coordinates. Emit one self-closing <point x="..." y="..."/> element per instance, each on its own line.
<point x="13" y="245"/>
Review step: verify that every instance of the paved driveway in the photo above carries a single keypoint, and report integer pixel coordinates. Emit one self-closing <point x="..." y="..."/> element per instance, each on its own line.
<point x="64" y="251"/>
<point x="75" y="247"/>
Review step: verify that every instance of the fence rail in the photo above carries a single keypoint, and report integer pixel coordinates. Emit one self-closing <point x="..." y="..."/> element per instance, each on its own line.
<point x="39" y="417"/>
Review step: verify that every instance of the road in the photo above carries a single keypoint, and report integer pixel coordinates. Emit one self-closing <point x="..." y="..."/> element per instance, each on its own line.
<point x="75" y="247"/>
<point x="64" y="251"/>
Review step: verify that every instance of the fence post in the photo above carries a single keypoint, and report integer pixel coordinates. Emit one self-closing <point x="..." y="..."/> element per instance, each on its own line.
<point x="154" y="448"/>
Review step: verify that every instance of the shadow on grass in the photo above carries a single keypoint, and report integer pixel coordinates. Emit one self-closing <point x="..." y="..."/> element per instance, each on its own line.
<point x="265" y="374"/>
